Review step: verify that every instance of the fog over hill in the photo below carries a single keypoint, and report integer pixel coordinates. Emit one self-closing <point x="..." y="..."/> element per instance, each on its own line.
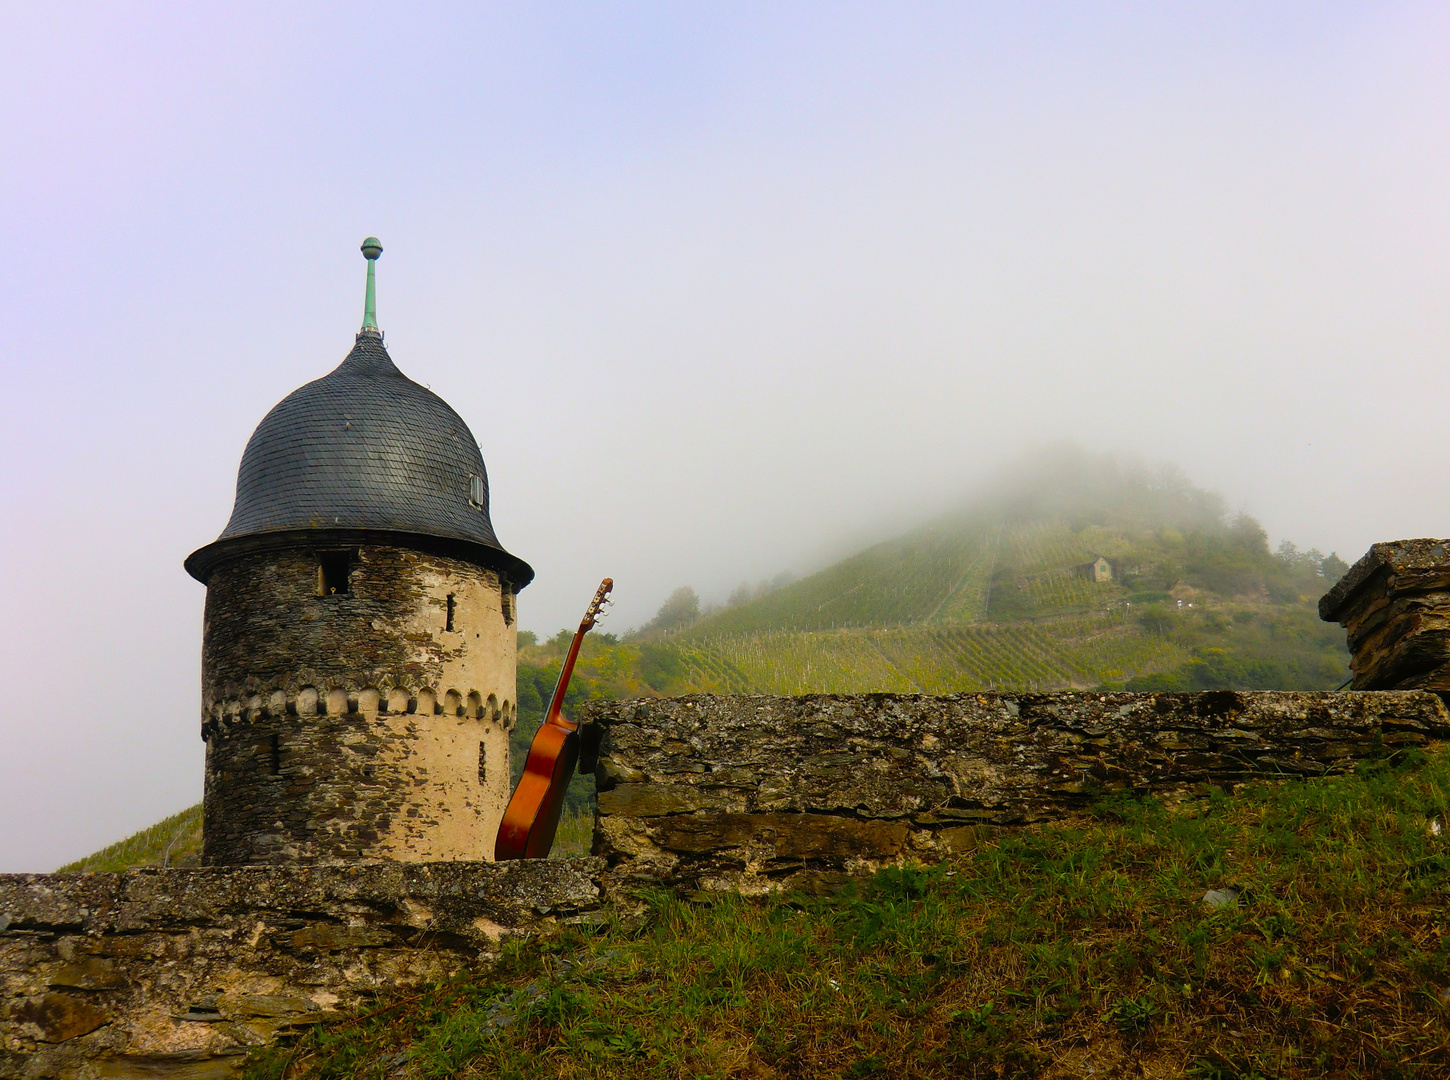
<point x="1020" y="551"/>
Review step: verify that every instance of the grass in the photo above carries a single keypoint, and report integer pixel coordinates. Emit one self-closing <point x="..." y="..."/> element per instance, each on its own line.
<point x="1072" y="949"/>
<point x="575" y="833"/>
<point x="176" y="841"/>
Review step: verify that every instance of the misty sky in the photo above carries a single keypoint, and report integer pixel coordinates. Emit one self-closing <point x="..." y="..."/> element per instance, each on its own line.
<point x="723" y="290"/>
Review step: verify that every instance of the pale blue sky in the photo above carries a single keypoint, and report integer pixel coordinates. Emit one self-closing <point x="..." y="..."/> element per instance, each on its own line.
<point x="723" y="290"/>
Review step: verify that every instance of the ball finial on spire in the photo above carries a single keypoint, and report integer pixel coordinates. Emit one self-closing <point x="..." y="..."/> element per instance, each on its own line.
<point x="371" y="249"/>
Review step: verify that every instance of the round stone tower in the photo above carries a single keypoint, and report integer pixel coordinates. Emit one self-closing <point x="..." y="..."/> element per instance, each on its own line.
<point x="358" y="647"/>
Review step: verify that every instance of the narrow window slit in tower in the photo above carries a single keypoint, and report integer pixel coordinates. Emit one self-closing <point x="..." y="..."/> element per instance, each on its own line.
<point x="276" y="755"/>
<point x="451" y="607"/>
<point x="507" y="601"/>
<point x="483" y="763"/>
<point x="332" y="573"/>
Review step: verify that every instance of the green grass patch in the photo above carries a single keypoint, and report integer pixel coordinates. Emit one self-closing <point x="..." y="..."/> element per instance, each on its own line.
<point x="1072" y="949"/>
<point x="176" y="841"/>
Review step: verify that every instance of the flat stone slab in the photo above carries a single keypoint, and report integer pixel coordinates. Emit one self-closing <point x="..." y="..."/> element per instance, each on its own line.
<point x="1394" y="567"/>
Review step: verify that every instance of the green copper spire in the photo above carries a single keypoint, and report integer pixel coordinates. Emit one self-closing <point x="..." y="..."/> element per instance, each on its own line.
<point x="371" y="249"/>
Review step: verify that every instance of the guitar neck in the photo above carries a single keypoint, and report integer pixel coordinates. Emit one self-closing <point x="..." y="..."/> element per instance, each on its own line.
<point x="596" y="607"/>
<point x="556" y="703"/>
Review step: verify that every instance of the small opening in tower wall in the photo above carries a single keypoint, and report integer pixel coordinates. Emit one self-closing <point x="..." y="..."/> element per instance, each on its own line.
<point x="483" y="763"/>
<point x="333" y="570"/>
<point x="507" y="600"/>
<point x="475" y="491"/>
<point x="452" y="607"/>
<point x="274" y="757"/>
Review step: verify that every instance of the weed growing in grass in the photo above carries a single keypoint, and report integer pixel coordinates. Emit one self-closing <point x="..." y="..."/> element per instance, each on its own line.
<point x="575" y="834"/>
<point x="1077" y="948"/>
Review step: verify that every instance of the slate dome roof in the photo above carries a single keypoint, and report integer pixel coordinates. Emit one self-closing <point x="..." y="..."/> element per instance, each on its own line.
<point x="363" y="454"/>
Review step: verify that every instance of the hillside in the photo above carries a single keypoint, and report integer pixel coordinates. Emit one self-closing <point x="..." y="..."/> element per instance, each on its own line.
<point x="1016" y="552"/>
<point x="173" y="841"/>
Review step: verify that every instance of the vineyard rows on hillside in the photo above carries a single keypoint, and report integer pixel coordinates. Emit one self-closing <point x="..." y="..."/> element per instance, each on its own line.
<point x="946" y="575"/>
<point x="933" y="573"/>
<point x="1082" y="651"/>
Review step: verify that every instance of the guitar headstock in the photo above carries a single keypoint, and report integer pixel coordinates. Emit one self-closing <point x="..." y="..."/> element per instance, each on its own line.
<point x="596" y="606"/>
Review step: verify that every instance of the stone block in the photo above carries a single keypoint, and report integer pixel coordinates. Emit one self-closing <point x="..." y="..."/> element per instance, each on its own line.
<point x="823" y="837"/>
<point x="55" y="1018"/>
<point x="657" y="800"/>
<point x="87" y="973"/>
<point x="1394" y="604"/>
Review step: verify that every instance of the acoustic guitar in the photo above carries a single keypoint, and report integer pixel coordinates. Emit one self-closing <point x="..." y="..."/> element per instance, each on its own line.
<point x="529" y="823"/>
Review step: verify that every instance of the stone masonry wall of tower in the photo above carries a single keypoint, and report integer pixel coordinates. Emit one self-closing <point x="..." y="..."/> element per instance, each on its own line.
<point x="355" y="725"/>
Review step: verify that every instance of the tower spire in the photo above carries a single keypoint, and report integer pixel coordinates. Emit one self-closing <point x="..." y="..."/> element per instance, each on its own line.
<point x="371" y="249"/>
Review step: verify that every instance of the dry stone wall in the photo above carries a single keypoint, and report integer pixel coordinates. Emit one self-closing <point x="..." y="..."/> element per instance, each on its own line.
<point x="176" y="973"/>
<point x="753" y="792"/>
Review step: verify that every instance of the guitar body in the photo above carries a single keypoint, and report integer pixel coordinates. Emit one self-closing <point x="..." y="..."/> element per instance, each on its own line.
<point x="532" y="817"/>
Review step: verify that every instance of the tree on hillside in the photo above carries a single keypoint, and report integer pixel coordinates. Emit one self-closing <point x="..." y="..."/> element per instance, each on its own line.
<point x="1245" y="532"/>
<point x="680" y="609"/>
